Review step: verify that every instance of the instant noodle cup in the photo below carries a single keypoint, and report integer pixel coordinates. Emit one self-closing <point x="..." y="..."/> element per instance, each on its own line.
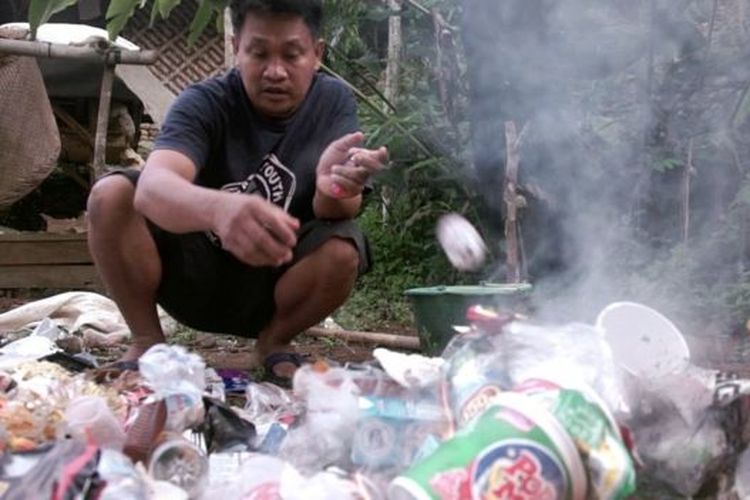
<point x="514" y="450"/>
<point x="588" y="421"/>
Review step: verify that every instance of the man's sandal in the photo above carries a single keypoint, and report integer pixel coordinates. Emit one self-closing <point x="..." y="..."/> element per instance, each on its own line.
<point x="272" y="360"/>
<point x="113" y="370"/>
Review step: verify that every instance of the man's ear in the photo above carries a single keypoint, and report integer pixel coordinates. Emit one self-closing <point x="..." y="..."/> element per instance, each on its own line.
<point x="320" y="50"/>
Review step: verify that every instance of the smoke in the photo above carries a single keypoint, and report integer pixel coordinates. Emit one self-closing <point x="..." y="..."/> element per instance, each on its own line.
<point x="629" y="110"/>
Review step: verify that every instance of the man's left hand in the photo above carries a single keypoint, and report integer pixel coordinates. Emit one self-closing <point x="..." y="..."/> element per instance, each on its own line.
<point x="345" y="167"/>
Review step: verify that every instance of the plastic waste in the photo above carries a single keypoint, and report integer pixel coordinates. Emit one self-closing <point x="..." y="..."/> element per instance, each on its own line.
<point x="177" y="377"/>
<point x="123" y="480"/>
<point x="215" y="388"/>
<point x="224" y="430"/>
<point x="742" y="475"/>
<point x="643" y="340"/>
<point x="26" y="349"/>
<point x="410" y="370"/>
<point x="89" y="418"/>
<point x="462" y="243"/>
<point x="264" y="477"/>
<point x="514" y="449"/>
<point x="596" y="434"/>
<point x="576" y="350"/>
<point x="323" y="436"/>
<point x="180" y="462"/>
<point x="679" y="455"/>
<point x="266" y="403"/>
<point x="142" y="433"/>
<point x="67" y="470"/>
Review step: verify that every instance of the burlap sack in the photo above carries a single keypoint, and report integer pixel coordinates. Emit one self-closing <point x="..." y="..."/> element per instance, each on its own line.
<point x="29" y="139"/>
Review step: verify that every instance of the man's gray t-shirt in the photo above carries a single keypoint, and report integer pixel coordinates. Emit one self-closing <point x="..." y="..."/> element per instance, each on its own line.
<point x="234" y="148"/>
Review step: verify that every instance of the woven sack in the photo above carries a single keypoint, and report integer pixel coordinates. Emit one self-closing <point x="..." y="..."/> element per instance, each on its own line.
<point x="29" y="138"/>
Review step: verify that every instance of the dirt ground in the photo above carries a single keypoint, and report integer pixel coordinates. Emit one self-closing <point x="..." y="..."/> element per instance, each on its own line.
<point x="228" y="351"/>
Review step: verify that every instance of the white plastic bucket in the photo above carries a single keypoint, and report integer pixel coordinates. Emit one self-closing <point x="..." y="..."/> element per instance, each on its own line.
<point x="644" y="341"/>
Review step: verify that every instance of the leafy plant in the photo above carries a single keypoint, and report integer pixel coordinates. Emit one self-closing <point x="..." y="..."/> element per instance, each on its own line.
<point x="40" y="12"/>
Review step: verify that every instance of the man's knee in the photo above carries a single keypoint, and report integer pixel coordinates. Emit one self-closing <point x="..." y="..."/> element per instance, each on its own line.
<point x="341" y="257"/>
<point x="109" y="197"/>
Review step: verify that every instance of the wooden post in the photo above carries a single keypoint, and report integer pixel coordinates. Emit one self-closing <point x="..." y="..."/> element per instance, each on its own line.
<point x="228" y="35"/>
<point x="510" y="197"/>
<point x="102" y="120"/>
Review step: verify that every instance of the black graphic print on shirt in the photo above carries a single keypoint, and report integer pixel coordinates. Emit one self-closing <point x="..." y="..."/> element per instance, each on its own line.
<point x="273" y="181"/>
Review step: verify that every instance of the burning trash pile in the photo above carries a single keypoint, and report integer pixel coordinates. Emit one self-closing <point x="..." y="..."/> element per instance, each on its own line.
<point x="512" y="409"/>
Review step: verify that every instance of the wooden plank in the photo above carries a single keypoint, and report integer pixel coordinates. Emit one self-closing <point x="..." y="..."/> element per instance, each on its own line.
<point x="71" y="276"/>
<point x="155" y="96"/>
<point x="41" y="236"/>
<point x="44" y="252"/>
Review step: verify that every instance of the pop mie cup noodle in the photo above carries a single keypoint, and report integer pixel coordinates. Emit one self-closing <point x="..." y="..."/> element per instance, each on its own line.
<point x="514" y="450"/>
<point x="588" y="421"/>
<point x="645" y="342"/>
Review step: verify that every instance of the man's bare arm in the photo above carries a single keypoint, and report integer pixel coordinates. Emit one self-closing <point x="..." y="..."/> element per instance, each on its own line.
<point x="167" y="196"/>
<point x="326" y="207"/>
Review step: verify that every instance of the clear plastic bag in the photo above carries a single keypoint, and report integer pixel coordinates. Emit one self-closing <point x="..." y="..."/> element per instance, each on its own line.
<point x="178" y="377"/>
<point x="324" y="434"/>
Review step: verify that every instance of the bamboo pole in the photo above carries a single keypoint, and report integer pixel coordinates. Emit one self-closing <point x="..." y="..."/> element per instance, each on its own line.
<point x="102" y="120"/>
<point x="382" y="339"/>
<point x="59" y="51"/>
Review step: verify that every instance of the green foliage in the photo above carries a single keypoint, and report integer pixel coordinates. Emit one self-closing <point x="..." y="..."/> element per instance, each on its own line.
<point x="118" y="14"/>
<point x="41" y="10"/>
<point x="427" y="149"/>
<point x="207" y="10"/>
<point x="666" y="164"/>
<point x="163" y="8"/>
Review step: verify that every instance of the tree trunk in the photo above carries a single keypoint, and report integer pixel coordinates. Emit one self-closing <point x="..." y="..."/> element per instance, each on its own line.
<point x="395" y="42"/>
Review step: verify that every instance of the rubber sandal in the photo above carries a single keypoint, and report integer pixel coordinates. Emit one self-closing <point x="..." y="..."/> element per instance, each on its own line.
<point x="113" y="370"/>
<point x="281" y="357"/>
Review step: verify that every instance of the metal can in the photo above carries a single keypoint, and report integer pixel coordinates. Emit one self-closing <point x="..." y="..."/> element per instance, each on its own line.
<point x="180" y="462"/>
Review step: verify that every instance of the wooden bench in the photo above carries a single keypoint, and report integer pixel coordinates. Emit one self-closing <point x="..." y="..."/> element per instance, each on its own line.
<point x="46" y="260"/>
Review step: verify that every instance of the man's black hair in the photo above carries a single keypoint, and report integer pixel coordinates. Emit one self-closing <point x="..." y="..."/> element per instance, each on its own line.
<point x="311" y="11"/>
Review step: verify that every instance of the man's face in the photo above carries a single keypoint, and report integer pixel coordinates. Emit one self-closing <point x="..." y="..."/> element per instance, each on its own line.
<point x="277" y="57"/>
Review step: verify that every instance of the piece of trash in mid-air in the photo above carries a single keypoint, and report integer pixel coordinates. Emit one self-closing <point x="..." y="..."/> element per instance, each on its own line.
<point x="461" y="242"/>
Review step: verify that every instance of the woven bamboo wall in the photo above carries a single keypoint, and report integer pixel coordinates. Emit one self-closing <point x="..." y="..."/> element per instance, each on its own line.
<point x="178" y="65"/>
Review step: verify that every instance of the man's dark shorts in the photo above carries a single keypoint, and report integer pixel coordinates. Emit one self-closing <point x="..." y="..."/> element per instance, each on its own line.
<point x="207" y="288"/>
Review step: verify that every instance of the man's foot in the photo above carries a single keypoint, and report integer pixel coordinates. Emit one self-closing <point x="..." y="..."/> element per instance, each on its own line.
<point x="135" y="351"/>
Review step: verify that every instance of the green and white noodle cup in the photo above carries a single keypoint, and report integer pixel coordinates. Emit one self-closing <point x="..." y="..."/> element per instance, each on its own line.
<point x="588" y="421"/>
<point x="515" y="449"/>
